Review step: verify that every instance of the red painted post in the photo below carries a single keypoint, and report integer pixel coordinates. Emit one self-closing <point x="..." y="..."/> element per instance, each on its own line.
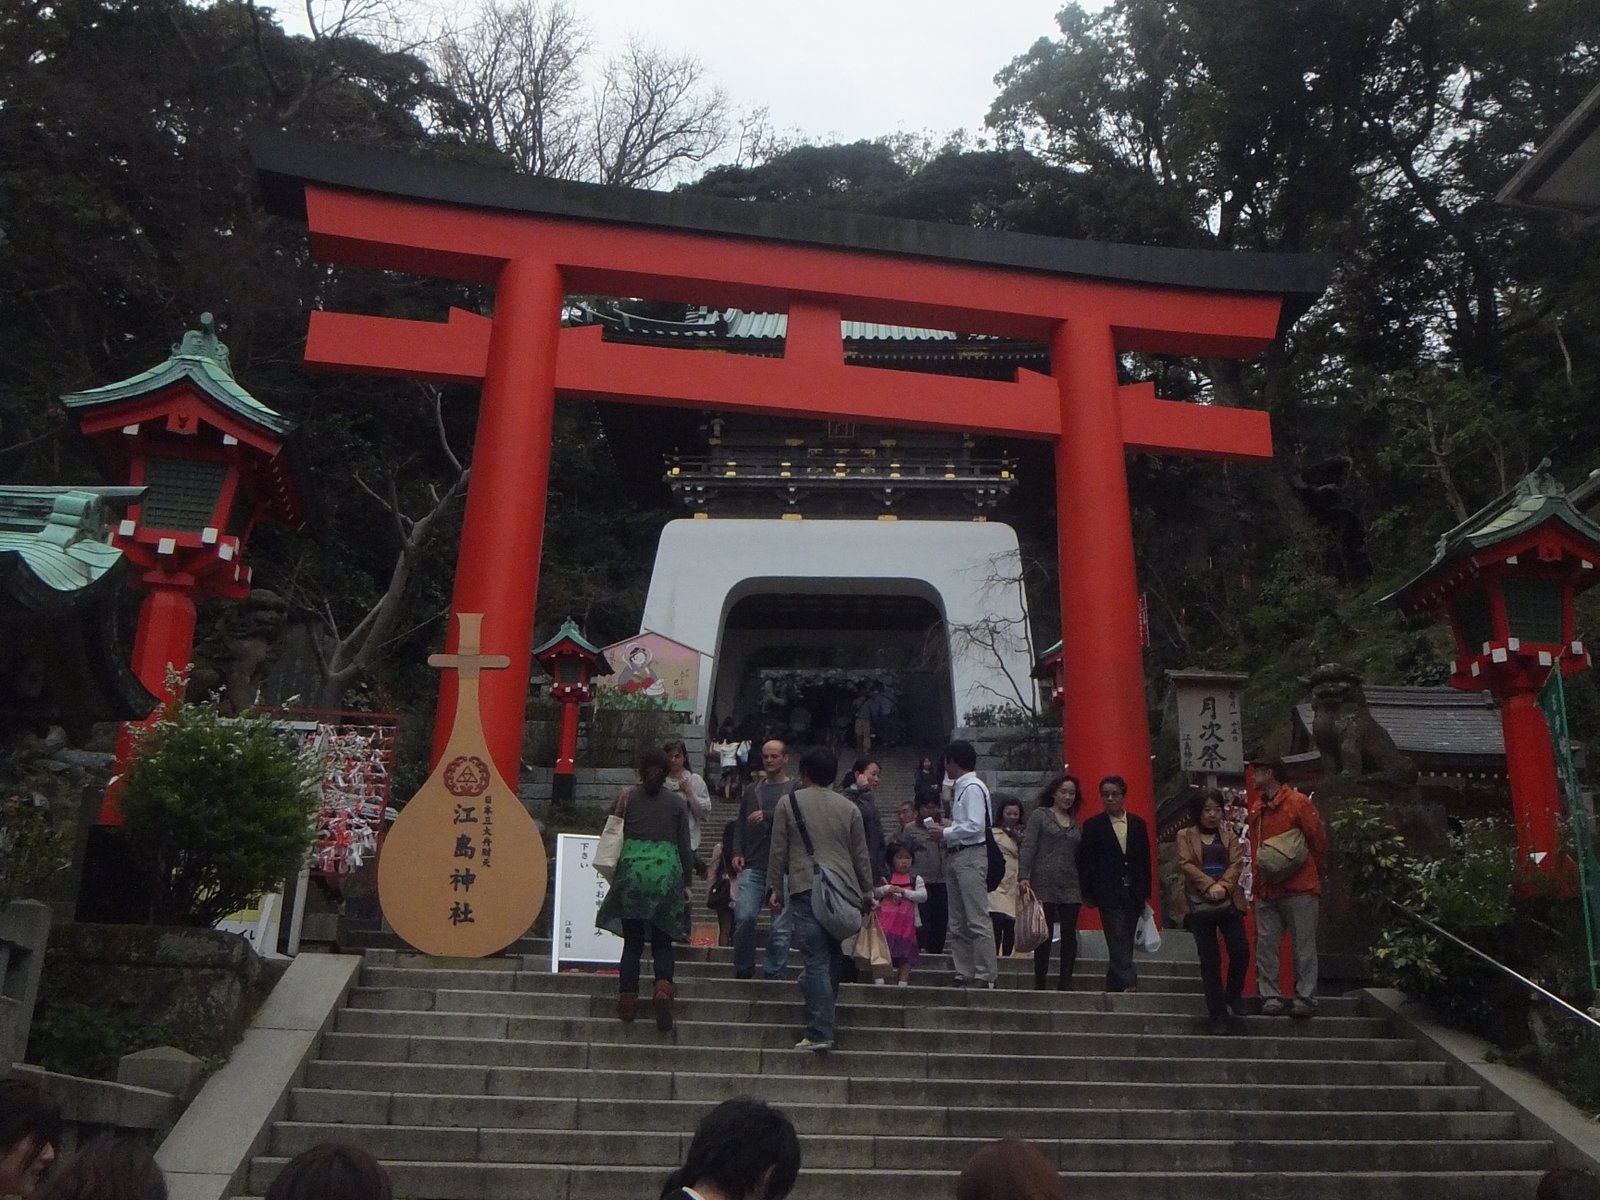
<point x="567" y="752"/>
<point x="1104" y="728"/>
<point x="165" y="639"/>
<point x="1535" y="790"/>
<point x="497" y="569"/>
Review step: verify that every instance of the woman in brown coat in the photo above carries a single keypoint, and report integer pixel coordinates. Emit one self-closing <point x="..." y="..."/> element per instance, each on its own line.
<point x="1211" y="858"/>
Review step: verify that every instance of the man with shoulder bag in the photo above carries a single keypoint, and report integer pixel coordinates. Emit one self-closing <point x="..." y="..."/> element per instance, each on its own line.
<point x="819" y="841"/>
<point x="1289" y="846"/>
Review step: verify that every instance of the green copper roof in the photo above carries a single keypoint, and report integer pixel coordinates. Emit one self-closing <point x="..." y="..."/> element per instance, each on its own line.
<point x="1538" y="497"/>
<point x="52" y="540"/>
<point x="201" y="359"/>
<point x="569" y="633"/>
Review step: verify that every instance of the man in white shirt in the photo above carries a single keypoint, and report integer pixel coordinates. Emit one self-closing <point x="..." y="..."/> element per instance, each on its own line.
<point x="966" y="869"/>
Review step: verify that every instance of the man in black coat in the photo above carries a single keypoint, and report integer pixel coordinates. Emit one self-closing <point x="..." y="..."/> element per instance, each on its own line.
<point x="1114" y="871"/>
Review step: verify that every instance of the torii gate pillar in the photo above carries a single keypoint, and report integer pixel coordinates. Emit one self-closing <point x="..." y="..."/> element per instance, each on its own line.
<point x="502" y="533"/>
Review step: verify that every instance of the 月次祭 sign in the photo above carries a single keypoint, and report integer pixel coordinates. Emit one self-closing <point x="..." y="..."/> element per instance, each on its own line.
<point x="1210" y="731"/>
<point x="654" y="667"/>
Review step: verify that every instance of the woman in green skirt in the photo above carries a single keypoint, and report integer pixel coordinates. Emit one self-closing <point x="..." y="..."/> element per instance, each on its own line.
<point x="649" y="896"/>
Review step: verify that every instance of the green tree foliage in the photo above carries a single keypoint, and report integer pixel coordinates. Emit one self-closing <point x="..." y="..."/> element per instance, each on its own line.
<point x="217" y="811"/>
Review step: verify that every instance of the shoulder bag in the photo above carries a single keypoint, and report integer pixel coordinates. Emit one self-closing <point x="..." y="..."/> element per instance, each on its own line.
<point x="609" y="852"/>
<point x="835" y="903"/>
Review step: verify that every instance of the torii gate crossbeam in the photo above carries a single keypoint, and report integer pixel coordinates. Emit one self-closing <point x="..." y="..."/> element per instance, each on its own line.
<point x="536" y="241"/>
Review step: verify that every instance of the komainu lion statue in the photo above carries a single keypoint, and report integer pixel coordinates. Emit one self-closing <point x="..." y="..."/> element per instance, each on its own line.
<point x="1354" y="747"/>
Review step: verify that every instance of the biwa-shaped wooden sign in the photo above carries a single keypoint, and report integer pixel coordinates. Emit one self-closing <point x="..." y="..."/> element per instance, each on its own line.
<point x="463" y="869"/>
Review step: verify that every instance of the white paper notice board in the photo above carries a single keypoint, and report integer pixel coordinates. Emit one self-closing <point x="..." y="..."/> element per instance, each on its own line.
<point x="579" y="890"/>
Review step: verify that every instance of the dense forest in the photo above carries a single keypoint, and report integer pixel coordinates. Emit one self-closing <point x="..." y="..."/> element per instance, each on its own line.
<point x="1457" y="346"/>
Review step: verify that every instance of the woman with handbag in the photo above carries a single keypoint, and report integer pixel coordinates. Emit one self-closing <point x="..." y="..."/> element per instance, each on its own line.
<point x="1047" y="866"/>
<point x="1211" y="859"/>
<point x="649" y="896"/>
<point x="696" y="796"/>
<point x="1003" y="900"/>
<point x="723" y="891"/>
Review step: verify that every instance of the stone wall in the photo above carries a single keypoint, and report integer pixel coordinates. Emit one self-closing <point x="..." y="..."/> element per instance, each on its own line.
<point x="1014" y="759"/>
<point x="613" y="746"/>
<point x="191" y="988"/>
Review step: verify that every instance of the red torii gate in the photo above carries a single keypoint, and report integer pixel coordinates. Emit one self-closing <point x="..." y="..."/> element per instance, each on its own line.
<point x="535" y="241"/>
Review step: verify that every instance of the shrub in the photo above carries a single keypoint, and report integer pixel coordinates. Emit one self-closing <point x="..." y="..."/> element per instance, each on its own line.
<point x="216" y="811"/>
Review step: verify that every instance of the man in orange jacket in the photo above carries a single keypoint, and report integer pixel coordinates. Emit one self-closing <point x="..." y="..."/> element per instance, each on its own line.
<point x="1290" y="902"/>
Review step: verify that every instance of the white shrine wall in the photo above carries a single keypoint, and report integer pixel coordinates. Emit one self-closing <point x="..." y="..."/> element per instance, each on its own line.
<point x="704" y="567"/>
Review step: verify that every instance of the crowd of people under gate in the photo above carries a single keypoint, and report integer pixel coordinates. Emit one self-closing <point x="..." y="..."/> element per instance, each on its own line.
<point x="961" y="871"/>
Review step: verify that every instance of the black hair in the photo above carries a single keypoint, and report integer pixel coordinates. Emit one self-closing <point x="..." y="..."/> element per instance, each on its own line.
<point x="28" y="1113"/>
<point x="1047" y="794"/>
<point x="671" y="744"/>
<point x="745" y="1148"/>
<point x="1199" y="799"/>
<point x="894" y="848"/>
<point x="331" y="1171"/>
<point x="963" y="754"/>
<point x="819" y="766"/>
<point x="928" y="797"/>
<point x="1117" y="781"/>
<point x="650" y="757"/>
<point x="109" y="1168"/>
<point x="1001" y="800"/>
<point x="1568" y="1183"/>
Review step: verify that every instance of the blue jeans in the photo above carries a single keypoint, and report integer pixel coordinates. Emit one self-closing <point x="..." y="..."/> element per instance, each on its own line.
<point x="752" y="895"/>
<point x="819" y="974"/>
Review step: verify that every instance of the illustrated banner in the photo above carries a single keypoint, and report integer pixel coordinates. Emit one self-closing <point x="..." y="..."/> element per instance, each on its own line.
<point x="655" y="668"/>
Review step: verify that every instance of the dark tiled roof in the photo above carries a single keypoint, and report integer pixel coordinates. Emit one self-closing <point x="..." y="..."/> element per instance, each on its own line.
<point x="1432" y="722"/>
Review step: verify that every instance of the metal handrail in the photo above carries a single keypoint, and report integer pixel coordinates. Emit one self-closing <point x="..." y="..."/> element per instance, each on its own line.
<point x="1499" y="966"/>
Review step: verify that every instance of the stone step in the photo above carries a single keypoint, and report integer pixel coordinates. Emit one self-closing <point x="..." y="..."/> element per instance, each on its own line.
<point x="517" y="1181"/>
<point x="336" y="1107"/>
<point x="491" y="1079"/>
<point x="551" y="993"/>
<point x="651" y="1053"/>
<point x="416" y="1143"/>
<point x="1179" y="1019"/>
<point x="386" y="1045"/>
<point x="794" y="1075"/>
<point x="1015" y="973"/>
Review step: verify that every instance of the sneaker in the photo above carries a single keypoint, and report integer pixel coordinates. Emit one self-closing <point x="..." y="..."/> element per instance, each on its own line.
<point x="1273" y="1007"/>
<point x="903" y="983"/>
<point x="1302" y="1009"/>
<point x="811" y="1044"/>
<point x="989" y="984"/>
<point x="960" y="982"/>
<point x="744" y="974"/>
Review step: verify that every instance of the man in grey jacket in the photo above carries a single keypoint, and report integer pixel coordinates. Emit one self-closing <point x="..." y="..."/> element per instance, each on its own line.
<point x="839" y="841"/>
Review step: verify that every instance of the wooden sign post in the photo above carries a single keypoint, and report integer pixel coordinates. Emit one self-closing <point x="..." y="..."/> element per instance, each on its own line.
<point x="463" y="870"/>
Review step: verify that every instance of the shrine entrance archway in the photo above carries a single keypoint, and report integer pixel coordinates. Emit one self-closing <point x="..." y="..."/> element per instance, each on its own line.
<point x="535" y="241"/>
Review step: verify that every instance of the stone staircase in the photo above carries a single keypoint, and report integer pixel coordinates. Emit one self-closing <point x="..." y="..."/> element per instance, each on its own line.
<point x="491" y="1079"/>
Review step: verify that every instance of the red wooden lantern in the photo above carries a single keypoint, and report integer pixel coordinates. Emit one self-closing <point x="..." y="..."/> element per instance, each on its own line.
<point x="211" y="459"/>
<point x="1506" y="578"/>
<point x="570" y="661"/>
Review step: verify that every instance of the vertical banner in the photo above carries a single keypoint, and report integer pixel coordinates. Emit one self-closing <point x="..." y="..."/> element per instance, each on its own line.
<point x="1580" y="822"/>
<point x="574" y="940"/>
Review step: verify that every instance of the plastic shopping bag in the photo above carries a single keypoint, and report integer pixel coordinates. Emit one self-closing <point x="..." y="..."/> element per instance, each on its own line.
<point x="1145" y="935"/>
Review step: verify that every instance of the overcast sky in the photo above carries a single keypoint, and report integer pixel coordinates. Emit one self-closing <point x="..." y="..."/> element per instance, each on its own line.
<point x="833" y="69"/>
<point x="844" y="69"/>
